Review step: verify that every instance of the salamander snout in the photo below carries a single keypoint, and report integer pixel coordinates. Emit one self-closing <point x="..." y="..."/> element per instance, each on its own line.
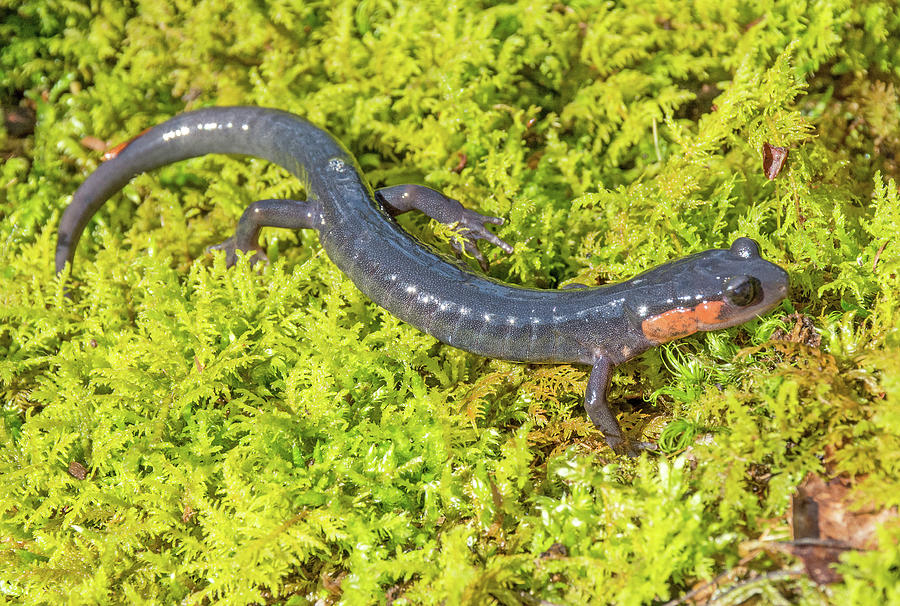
<point x="753" y="287"/>
<point x="714" y="289"/>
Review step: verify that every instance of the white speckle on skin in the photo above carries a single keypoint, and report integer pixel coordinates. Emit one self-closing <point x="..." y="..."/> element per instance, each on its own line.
<point x="487" y="318"/>
<point x="511" y="320"/>
<point x="411" y="289"/>
<point x="464" y="311"/>
<point x="642" y="310"/>
<point x="178" y="132"/>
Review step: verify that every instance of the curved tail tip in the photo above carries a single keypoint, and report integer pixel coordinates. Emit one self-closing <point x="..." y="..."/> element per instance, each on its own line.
<point x="62" y="256"/>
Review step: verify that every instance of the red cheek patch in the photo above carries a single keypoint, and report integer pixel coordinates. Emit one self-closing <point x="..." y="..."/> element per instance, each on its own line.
<point x="710" y="312"/>
<point x="681" y="321"/>
<point x="673" y="324"/>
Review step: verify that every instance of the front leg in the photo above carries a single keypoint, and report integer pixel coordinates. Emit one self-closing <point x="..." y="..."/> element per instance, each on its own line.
<point x="598" y="410"/>
<point x="472" y="225"/>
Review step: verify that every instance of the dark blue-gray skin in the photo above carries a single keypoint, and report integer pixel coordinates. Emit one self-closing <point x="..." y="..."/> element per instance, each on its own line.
<point x="600" y="326"/>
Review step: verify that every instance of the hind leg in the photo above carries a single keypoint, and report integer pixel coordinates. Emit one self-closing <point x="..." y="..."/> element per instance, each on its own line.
<point x="291" y="214"/>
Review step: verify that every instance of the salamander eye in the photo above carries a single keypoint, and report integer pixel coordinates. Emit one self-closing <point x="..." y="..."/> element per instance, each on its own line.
<point x="743" y="290"/>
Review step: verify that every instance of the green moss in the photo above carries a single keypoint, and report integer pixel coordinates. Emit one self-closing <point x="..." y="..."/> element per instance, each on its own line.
<point x="275" y="437"/>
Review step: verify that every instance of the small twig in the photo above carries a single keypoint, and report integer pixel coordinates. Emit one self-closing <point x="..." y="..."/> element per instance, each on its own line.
<point x="775" y="574"/>
<point x="690" y="595"/>
<point x="656" y="141"/>
<point x="878" y="254"/>
<point x="815" y="542"/>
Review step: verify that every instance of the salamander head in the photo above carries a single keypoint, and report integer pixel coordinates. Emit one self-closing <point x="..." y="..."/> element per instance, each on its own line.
<point x="710" y="290"/>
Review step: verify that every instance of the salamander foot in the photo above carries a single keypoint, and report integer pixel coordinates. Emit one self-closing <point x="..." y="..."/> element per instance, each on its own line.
<point x="626" y="447"/>
<point x="473" y="227"/>
<point x="230" y="248"/>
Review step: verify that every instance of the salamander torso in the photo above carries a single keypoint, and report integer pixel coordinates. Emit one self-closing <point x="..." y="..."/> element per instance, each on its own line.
<point x="600" y="326"/>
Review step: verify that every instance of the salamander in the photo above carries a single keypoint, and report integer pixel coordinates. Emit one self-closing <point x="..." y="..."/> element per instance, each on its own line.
<point x="601" y="326"/>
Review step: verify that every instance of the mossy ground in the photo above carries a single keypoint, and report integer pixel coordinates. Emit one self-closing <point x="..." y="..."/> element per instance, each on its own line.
<point x="274" y="437"/>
